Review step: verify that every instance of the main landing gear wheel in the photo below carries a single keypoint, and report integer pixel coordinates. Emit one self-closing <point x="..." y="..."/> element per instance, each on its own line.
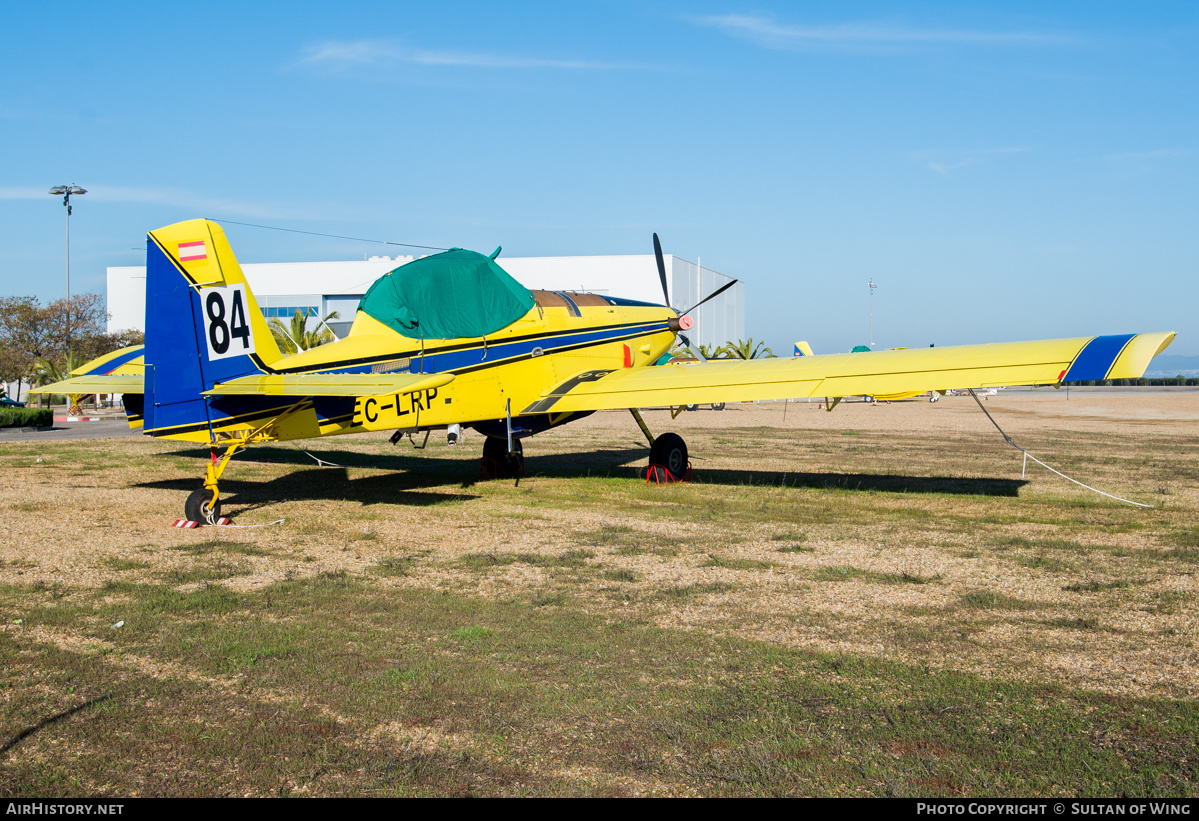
<point x="200" y="506"/>
<point x="498" y="463"/>
<point x="670" y="452"/>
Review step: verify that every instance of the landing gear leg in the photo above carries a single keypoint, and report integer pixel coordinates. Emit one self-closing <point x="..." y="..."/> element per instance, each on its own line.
<point x="203" y="506"/>
<point x="641" y="424"/>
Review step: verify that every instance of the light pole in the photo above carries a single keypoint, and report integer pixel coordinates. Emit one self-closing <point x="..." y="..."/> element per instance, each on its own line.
<point x="872" y="287"/>
<point x="65" y="191"/>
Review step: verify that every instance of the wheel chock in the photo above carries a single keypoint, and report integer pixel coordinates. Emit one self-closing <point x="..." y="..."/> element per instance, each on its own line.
<point x="659" y="475"/>
<point x="188" y="523"/>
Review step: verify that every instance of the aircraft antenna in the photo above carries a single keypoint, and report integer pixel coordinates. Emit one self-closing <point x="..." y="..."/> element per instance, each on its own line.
<point x="872" y="287"/>
<point x="332" y="236"/>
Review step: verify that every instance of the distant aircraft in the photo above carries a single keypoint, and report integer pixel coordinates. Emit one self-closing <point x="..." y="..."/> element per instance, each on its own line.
<point x="453" y="339"/>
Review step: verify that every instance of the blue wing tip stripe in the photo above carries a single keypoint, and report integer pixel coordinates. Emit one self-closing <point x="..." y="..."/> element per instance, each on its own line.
<point x="1097" y="357"/>
<point x="113" y="364"/>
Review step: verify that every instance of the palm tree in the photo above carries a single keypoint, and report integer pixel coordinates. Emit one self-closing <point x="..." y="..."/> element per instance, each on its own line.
<point x="747" y="349"/>
<point x="46" y="371"/>
<point x="300" y="339"/>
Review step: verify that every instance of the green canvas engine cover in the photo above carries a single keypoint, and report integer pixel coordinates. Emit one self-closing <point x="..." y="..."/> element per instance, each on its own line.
<point x="453" y="295"/>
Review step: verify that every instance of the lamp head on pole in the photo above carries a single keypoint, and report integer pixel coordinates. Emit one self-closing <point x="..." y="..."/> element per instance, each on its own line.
<point x="65" y="191"/>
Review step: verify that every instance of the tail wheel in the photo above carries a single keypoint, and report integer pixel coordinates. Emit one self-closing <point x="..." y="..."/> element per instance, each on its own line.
<point x="507" y="465"/>
<point x="670" y="451"/>
<point x="200" y="506"/>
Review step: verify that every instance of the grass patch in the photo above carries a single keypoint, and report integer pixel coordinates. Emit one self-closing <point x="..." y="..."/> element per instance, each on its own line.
<point x="789" y="536"/>
<point x="620" y="575"/>
<point x="1096" y="586"/>
<point x="1168" y="601"/>
<point x="692" y="592"/>
<point x="1042" y="561"/>
<point x="486" y="561"/>
<point x="549" y="598"/>
<point x="844" y="573"/>
<point x="31" y="507"/>
<point x="18" y="564"/>
<point x="221" y="546"/>
<point x="993" y="600"/>
<point x="472" y="632"/>
<point x="1039" y="544"/>
<point x="1090" y="624"/>
<point x="394" y="566"/>
<point x="839" y="573"/>
<point x="733" y="563"/>
<point x="628" y="541"/>
<point x="215" y="571"/>
<point x="1186" y="538"/>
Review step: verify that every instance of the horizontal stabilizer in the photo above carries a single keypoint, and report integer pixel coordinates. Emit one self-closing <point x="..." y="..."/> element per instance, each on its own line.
<point x="330" y="384"/>
<point x="107" y="383"/>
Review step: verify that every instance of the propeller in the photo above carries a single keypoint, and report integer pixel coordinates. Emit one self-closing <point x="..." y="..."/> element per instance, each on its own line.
<point x="684" y="322"/>
<point x="712" y="295"/>
<point x="661" y="271"/>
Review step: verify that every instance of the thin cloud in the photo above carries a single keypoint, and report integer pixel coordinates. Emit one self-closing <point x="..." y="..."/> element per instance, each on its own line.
<point x="390" y="53"/>
<point x="765" y="31"/>
<point x="24" y="193"/>
<point x="161" y="196"/>
<point x="946" y="162"/>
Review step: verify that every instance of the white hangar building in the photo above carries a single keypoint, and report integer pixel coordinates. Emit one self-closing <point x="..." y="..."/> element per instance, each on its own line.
<point x="318" y="288"/>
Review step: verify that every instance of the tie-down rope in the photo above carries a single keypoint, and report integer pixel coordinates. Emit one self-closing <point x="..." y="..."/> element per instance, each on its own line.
<point x="1028" y="456"/>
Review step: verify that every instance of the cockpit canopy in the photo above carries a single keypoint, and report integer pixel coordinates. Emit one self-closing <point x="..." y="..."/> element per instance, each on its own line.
<point x="453" y="295"/>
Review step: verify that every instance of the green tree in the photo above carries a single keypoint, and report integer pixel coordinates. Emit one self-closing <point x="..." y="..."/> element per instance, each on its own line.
<point x="25" y="335"/>
<point x="90" y="347"/>
<point x="33" y="336"/>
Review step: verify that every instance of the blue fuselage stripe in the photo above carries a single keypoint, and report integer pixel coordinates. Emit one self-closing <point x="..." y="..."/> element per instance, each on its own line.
<point x="449" y="361"/>
<point x="227" y="407"/>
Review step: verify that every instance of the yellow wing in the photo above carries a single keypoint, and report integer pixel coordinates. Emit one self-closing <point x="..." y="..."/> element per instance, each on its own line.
<point x="881" y="373"/>
<point x="114" y="383"/>
<point x="330" y="384"/>
<point x="116" y="372"/>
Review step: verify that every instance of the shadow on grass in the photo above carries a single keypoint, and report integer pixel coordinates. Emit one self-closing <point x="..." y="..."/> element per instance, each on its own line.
<point x="323" y="484"/>
<point x="411" y="473"/>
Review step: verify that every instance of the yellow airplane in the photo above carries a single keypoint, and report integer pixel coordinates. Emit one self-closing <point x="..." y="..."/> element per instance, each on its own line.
<point x="453" y="339"/>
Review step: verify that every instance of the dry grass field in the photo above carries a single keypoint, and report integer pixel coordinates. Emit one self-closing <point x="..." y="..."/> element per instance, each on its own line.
<point x="864" y="602"/>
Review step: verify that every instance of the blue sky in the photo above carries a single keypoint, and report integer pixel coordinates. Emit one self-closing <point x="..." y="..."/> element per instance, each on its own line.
<point x="1002" y="171"/>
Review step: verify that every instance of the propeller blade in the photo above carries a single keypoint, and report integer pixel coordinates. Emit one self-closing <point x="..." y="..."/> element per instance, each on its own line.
<point x="661" y="271"/>
<point x="712" y="295"/>
<point x="693" y="349"/>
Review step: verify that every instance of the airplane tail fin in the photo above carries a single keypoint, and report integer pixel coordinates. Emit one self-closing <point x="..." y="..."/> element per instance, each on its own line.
<point x="203" y="324"/>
